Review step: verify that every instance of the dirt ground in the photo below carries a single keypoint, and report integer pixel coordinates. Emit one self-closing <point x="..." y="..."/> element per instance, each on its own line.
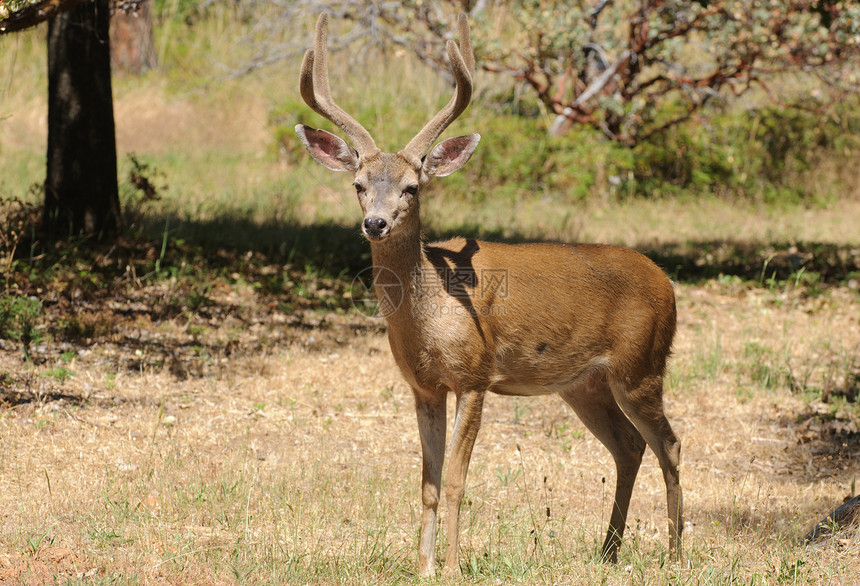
<point x="137" y="416"/>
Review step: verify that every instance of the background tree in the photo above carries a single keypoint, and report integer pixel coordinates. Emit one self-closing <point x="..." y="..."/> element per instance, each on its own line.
<point x="81" y="191"/>
<point x="628" y="68"/>
<point x="132" y="47"/>
<point x="632" y="69"/>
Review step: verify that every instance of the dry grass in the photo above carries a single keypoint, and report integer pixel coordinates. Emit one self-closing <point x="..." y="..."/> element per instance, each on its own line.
<point x="300" y="463"/>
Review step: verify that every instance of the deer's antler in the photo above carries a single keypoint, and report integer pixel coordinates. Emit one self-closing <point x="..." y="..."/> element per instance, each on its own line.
<point x="462" y="66"/>
<point x="317" y="94"/>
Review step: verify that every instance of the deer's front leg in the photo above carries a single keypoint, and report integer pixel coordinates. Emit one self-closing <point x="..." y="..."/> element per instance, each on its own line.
<point x="466" y="426"/>
<point x="431" y="427"/>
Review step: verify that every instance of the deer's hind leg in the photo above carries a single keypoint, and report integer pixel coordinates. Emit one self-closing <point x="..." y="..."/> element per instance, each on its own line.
<point x="643" y="404"/>
<point x="595" y="406"/>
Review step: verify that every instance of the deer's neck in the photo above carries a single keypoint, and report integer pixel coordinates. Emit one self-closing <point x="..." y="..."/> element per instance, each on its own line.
<point x="397" y="262"/>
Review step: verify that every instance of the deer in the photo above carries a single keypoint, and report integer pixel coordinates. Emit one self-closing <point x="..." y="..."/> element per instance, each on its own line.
<point x="591" y="323"/>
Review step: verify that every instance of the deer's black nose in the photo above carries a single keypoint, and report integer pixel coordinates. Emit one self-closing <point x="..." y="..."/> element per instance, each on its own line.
<point x="374" y="226"/>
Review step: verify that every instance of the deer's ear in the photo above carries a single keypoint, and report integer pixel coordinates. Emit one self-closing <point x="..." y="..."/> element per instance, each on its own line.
<point x="329" y="150"/>
<point x="449" y="155"/>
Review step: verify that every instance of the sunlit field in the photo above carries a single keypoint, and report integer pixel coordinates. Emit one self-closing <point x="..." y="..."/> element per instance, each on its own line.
<point x="202" y="404"/>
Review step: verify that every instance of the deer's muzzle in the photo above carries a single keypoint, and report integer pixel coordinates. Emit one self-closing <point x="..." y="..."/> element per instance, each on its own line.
<point x="375" y="228"/>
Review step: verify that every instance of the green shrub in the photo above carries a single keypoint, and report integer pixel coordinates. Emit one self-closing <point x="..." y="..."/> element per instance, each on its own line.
<point x="767" y="154"/>
<point x="19" y="321"/>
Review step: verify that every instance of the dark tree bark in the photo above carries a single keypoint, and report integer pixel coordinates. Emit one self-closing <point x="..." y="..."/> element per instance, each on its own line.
<point x="81" y="192"/>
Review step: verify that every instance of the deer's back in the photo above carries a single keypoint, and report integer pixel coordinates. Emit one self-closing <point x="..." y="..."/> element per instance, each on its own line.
<point x="531" y="318"/>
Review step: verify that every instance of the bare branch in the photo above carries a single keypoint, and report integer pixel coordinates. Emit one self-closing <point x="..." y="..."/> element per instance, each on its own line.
<point x="21" y="17"/>
<point x="33" y="14"/>
<point x="587" y="70"/>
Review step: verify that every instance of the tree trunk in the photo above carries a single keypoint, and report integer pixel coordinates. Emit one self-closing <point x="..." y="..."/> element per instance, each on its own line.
<point x="81" y="192"/>
<point x="132" y="48"/>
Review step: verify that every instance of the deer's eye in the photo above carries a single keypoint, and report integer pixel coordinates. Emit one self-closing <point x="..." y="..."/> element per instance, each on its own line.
<point x="410" y="190"/>
<point x="359" y="188"/>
